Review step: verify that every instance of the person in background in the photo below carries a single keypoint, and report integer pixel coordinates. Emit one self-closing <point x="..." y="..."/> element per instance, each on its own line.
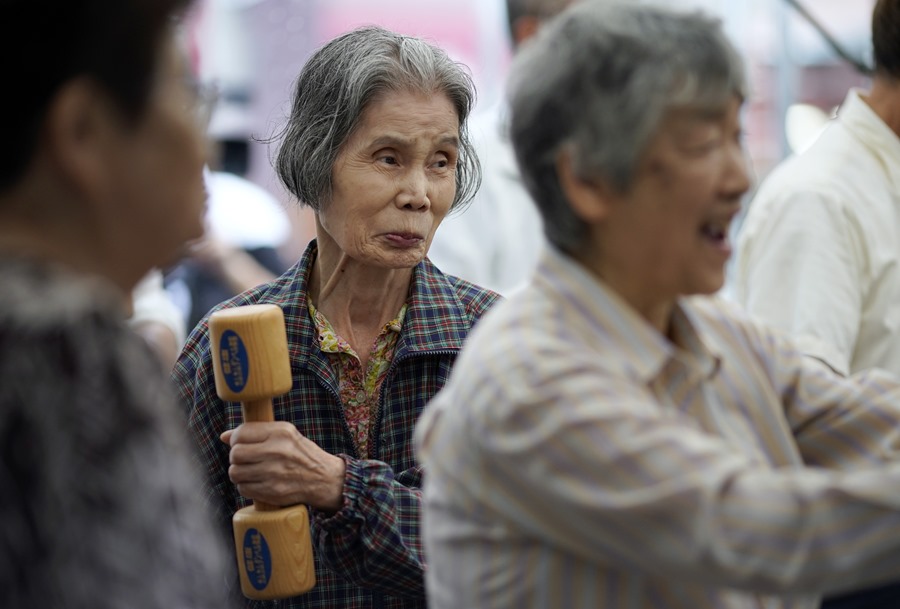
<point x="104" y="183"/>
<point x="617" y="435"/>
<point x="156" y="317"/>
<point x="497" y="241"/>
<point x="377" y="145"/>
<point x="818" y="254"/>
<point x="246" y="226"/>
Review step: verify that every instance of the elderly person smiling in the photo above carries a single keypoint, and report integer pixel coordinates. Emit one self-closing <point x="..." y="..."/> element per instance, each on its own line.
<point x="376" y="144"/>
<point x="614" y="435"/>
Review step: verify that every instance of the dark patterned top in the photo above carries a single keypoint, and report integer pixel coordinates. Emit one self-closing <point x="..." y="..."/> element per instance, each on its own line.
<point x="98" y="503"/>
<point x="368" y="554"/>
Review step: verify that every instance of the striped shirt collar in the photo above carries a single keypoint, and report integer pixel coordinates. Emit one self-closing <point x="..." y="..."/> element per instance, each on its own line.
<point x="589" y="298"/>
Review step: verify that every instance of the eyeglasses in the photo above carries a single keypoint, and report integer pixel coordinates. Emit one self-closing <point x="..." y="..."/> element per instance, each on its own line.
<point x="204" y="97"/>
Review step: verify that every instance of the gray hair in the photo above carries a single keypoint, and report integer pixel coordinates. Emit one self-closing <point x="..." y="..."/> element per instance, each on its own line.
<point x="338" y="83"/>
<point x="597" y="82"/>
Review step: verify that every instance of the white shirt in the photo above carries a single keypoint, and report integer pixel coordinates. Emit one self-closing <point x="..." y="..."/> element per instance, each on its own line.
<point x="576" y="458"/>
<point x="818" y="254"/>
<point x="496" y="241"/>
<point x="244" y="214"/>
<point x="152" y="303"/>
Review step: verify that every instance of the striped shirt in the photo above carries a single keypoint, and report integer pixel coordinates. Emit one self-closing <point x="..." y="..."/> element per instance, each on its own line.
<point x="577" y="458"/>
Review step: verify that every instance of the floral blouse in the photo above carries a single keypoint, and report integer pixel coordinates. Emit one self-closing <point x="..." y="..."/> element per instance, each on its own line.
<point x="359" y="390"/>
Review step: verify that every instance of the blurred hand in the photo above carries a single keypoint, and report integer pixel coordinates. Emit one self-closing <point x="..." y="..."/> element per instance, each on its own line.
<point x="212" y="252"/>
<point x="274" y="463"/>
<point x="238" y="269"/>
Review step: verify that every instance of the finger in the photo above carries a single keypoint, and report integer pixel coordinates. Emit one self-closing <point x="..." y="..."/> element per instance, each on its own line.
<point x="276" y="493"/>
<point x="259" y="492"/>
<point x="250" y="454"/>
<point x="249" y="473"/>
<point x="257" y="432"/>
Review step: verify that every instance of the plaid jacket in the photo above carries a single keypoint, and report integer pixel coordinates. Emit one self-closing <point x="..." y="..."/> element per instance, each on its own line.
<point x="369" y="554"/>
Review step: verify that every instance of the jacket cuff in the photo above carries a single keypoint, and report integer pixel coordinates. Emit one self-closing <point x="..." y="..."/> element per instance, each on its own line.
<point x="354" y="487"/>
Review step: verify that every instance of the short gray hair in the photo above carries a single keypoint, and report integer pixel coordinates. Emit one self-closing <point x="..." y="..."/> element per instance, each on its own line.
<point x="597" y="81"/>
<point x="338" y="83"/>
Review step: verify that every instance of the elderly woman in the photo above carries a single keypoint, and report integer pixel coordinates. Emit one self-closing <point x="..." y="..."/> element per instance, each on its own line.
<point x="376" y="144"/>
<point x="615" y="435"/>
<point x="103" y="182"/>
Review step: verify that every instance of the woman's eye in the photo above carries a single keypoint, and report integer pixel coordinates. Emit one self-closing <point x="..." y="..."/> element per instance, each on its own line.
<point x="390" y="160"/>
<point x="704" y="146"/>
<point x="441" y="162"/>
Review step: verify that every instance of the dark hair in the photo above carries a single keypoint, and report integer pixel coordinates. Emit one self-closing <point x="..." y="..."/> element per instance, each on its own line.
<point x="542" y="9"/>
<point x="341" y="80"/>
<point x="886" y="37"/>
<point x="47" y="43"/>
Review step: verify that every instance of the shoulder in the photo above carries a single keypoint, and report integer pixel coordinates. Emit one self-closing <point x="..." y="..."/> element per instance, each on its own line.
<point x="434" y="288"/>
<point x="475" y="299"/>
<point x="835" y="169"/>
<point x="68" y="326"/>
<point x="288" y="291"/>
<point x="727" y="328"/>
<point x="792" y="202"/>
<point x="37" y="297"/>
<point x="71" y="342"/>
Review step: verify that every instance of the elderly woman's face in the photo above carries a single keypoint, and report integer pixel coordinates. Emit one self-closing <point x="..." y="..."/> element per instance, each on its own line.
<point x="394" y="181"/>
<point x="670" y="230"/>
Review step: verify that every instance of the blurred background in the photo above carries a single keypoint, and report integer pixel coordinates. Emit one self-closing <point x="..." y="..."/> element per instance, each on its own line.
<point x="251" y="50"/>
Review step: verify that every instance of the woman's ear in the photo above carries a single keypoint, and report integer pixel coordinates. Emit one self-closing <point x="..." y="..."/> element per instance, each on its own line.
<point x="80" y="129"/>
<point x="589" y="199"/>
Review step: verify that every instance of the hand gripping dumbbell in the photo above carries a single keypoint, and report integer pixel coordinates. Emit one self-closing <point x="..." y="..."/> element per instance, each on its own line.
<point x="251" y="366"/>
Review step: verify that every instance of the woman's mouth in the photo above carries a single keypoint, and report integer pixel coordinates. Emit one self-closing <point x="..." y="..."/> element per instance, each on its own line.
<point x="404" y="240"/>
<point x="716" y="232"/>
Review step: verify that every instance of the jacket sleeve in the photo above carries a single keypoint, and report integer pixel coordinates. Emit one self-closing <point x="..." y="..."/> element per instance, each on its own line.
<point x="374" y="539"/>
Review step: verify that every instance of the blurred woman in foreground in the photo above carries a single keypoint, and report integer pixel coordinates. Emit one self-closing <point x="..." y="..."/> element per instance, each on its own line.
<point x="100" y="182"/>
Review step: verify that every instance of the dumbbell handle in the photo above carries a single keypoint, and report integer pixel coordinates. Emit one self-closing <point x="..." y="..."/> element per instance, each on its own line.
<point x="259" y="411"/>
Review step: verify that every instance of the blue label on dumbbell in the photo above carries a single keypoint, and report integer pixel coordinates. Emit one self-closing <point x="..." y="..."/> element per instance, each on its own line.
<point x="257" y="559"/>
<point x="233" y="357"/>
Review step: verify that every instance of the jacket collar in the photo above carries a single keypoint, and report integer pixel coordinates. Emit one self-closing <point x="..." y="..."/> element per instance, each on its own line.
<point x="436" y="319"/>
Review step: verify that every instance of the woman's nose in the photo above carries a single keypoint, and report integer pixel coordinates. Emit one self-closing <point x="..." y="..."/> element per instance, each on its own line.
<point x="414" y="190"/>
<point x="738" y="171"/>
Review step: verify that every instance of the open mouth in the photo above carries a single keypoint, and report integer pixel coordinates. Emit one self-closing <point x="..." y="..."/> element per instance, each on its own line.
<point x="716" y="232"/>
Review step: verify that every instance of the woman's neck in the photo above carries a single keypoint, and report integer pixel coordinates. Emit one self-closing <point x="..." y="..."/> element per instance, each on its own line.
<point x="355" y="298"/>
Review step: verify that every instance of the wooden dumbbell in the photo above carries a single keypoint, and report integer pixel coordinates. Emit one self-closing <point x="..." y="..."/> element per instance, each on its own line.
<point x="251" y="366"/>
